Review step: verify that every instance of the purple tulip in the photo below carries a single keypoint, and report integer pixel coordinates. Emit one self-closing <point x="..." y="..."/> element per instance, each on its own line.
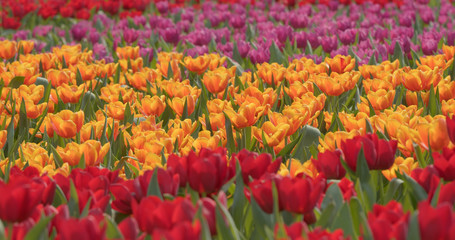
<point x="329" y="43"/>
<point x="130" y="35"/>
<point x="94" y="37"/>
<point x="298" y="21"/>
<point x="429" y="46"/>
<point x="347" y="37"/>
<point x="237" y="22"/>
<point x="171" y="35"/>
<point x="162" y="6"/>
<point x="79" y="31"/>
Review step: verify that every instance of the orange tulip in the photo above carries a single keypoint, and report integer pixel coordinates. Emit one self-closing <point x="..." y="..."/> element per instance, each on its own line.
<point x="449" y="52"/>
<point x="67" y="123"/>
<point x="217" y="105"/>
<point x="32" y="92"/>
<point x="216" y="81"/>
<point x="216" y="61"/>
<point x="431" y="62"/>
<point x="27" y="70"/>
<point x="247" y="114"/>
<point x="402" y="165"/>
<point x="336" y="84"/>
<point x="418" y="80"/>
<point x="94" y="152"/>
<point x="177" y="104"/>
<point x="7" y="49"/>
<point x="3" y="134"/>
<point x="69" y="94"/>
<point x="380" y="99"/>
<point x="296" y="77"/>
<point x="448" y="107"/>
<point x="27" y="46"/>
<point x="217" y="120"/>
<point x="197" y="65"/>
<point x="59" y="77"/>
<point x="127" y="52"/>
<point x="116" y="110"/>
<point x="153" y="105"/>
<point x="298" y="89"/>
<point x="434" y="134"/>
<point x="71" y="154"/>
<point x="111" y="93"/>
<point x="273" y="134"/>
<point x="341" y="64"/>
<point x="136" y="64"/>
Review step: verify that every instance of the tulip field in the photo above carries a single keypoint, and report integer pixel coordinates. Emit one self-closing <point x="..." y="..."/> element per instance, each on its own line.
<point x="227" y="119"/>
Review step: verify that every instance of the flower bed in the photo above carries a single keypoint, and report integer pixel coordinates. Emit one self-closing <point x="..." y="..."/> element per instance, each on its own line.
<point x="156" y="138"/>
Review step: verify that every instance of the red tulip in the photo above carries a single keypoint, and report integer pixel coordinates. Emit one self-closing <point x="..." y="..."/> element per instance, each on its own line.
<point x="123" y="194"/>
<point x="428" y="178"/>
<point x="151" y="213"/>
<point x="21" y="229"/>
<point x="180" y="231"/>
<point x="347" y="189"/>
<point x="300" y="194"/>
<point x="445" y="163"/>
<point x="262" y="191"/>
<point x="178" y="165"/>
<point x="294" y="231"/>
<point x="434" y="223"/>
<point x="129" y="228"/>
<point x="379" y="153"/>
<point x="18" y="199"/>
<point x="451" y="128"/>
<point x="447" y="193"/>
<point x="329" y="163"/>
<point x="351" y="150"/>
<point x="86" y="228"/>
<point x="208" y="210"/>
<point x="254" y="165"/>
<point x="209" y="171"/>
<point x="388" y="222"/>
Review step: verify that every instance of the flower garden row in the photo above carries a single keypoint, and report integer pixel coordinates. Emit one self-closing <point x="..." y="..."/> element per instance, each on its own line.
<point x="246" y="33"/>
<point x="168" y="139"/>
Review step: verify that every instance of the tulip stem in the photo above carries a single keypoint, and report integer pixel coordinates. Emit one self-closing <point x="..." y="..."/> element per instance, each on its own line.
<point x="10" y="227"/>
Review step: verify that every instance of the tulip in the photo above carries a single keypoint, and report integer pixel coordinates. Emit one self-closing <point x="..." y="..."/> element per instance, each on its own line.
<point x="445" y="163"/>
<point x="273" y="134"/>
<point x="66" y="123"/>
<point x="116" y="110"/>
<point x="388" y="222"/>
<point x="59" y="77"/>
<point x="434" y="134"/>
<point x="428" y="178"/>
<point x="178" y="103"/>
<point x="209" y="170"/>
<point x="329" y="163"/>
<point x="197" y="65"/>
<point x="153" y="106"/>
<point x="450" y="123"/>
<point x="69" y="94"/>
<point x="7" y="49"/>
<point x="402" y="165"/>
<point x="446" y="194"/>
<point x="434" y="223"/>
<point x="85" y="228"/>
<point x="300" y="194"/>
<point x="70" y="154"/>
<point x="127" y="52"/>
<point x="341" y="64"/>
<point x="262" y="191"/>
<point x="19" y="199"/>
<point x="254" y="165"/>
<point x="216" y="81"/>
<point x="246" y="115"/>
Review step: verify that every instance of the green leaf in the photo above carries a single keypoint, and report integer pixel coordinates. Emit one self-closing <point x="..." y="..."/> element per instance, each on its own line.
<point x="395" y="186"/>
<point x="154" y="188"/>
<point x="112" y="230"/>
<point x="79" y="80"/>
<point x="222" y="214"/>
<point x="16" y="82"/>
<point x="330" y="206"/>
<point x="417" y="191"/>
<point x="39" y="231"/>
<point x="433" y="103"/>
<point x="235" y="53"/>
<point x="276" y="55"/>
<point x="344" y="221"/>
<point x="289" y="147"/>
<point x="230" y="136"/>
<point x="413" y="228"/>
<point x="398" y="54"/>
<point x="239" y="70"/>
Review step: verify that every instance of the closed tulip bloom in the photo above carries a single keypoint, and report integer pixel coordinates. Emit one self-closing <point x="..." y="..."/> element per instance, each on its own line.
<point x="19" y="199"/>
<point x="27" y="46"/>
<point x="273" y="134"/>
<point x="216" y="81"/>
<point x="7" y="49"/>
<point x="434" y="223"/>
<point x="116" y="110"/>
<point x="255" y="165"/>
<point x="177" y="104"/>
<point x="329" y="163"/>
<point x="351" y="150"/>
<point x="209" y="170"/>
<point x="84" y="228"/>
<point x="450" y="123"/>
<point x="272" y="74"/>
<point x="300" y="194"/>
<point x="262" y="191"/>
<point x="434" y="134"/>
<point x="67" y="123"/>
<point x="428" y="178"/>
<point x="418" y="80"/>
<point x="445" y="163"/>
<point x="247" y="115"/>
<point x="381" y="99"/>
<point x="71" y="154"/>
<point x="446" y="193"/>
<point x="388" y="222"/>
<point x="94" y="152"/>
<point x="153" y="106"/>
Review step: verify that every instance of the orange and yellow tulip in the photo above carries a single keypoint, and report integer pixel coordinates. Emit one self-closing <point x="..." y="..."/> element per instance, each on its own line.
<point x="67" y="123"/>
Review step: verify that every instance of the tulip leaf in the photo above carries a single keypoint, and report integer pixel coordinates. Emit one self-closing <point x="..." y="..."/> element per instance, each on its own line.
<point x="344" y="221"/>
<point x="223" y="216"/>
<point x="112" y="230"/>
<point x="16" y="82"/>
<point x="289" y="147"/>
<point x="79" y="80"/>
<point x="59" y="197"/>
<point x="330" y="205"/>
<point x="57" y="159"/>
<point x="276" y="55"/>
<point x="308" y="48"/>
<point x="236" y="54"/>
<point x="238" y="69"/>
<point x="262" y="220"/>
<point x="205" y="229"/>
<point x="433" y="103"/>
<point x="359" y="219"/>
<point x="229" y="135"/>
<point x="154" y="188"/>
<point x="39" y="231"/>
<point x="417" y="191"/>
<point x="395" y="186"/>
<point x="398" y="54"/>
<point x="354" y="55"/>
<point x="73" y="202"/>
<point x="238" y="206"/>
<point x="413" y="227"/>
